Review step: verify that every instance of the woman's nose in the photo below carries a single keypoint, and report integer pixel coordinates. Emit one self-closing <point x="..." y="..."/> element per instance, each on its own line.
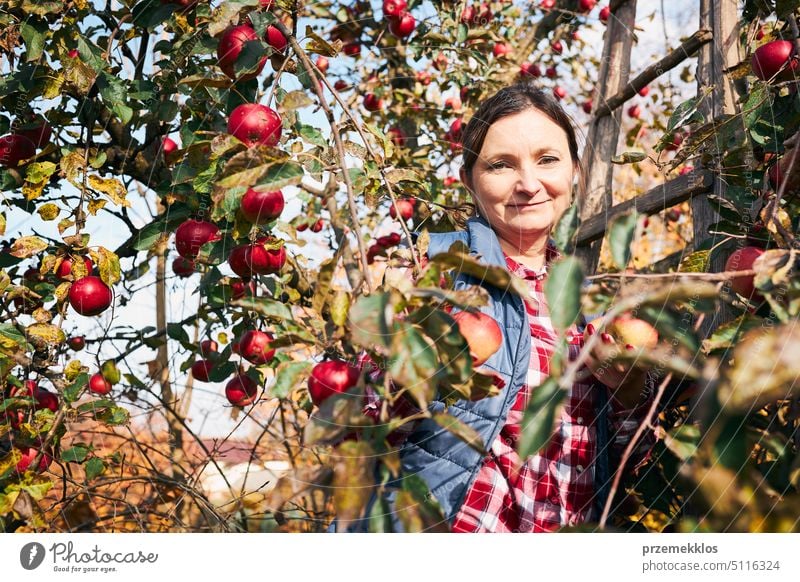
<point x="528" y="181"/>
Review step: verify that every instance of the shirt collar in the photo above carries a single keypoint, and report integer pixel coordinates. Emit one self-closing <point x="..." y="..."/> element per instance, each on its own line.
<point x="551" y="254"/>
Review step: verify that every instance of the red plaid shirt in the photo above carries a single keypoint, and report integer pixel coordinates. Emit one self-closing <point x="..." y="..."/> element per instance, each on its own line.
<point x="556" y="487"/>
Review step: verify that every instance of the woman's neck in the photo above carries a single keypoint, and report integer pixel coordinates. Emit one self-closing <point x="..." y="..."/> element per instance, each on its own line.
<point x="531" y="255"/>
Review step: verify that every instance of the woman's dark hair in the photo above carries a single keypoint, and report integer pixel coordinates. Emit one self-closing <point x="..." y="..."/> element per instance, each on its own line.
<point x="508" y="101"/>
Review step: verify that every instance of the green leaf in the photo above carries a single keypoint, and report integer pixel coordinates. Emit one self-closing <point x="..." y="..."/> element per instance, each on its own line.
<point x="564" y="232"/>
<point x="731" y="447"/>
<point x="563" y="291"/>
<point x="369" y="321"/>
<point x="629" y="158"/>
<point x="177" y="332"/>
<point x="539" y="417"/>
<point x="76" y="454"/>
<point x="11" y="337"/>
<point x="287" y="377"/>
<point x="457" y="258"/>
<point x="683" y="441"/>
<point x="353" y="479"/>
<point x="414" y="363"/>
<point x="72" y="391"/>
<point x="696" y="262"/>
<point x="311" y="134"/>
<point x="265" y="307"/>
<point x="148" y="236"/>
<point x="114" y="416"/>
<point x="620" y="237"/>
<point x="94" y="468"/>
<point x="34" y="36"/>
<point x="463" y="431"/>
<point x="764" y="369"/>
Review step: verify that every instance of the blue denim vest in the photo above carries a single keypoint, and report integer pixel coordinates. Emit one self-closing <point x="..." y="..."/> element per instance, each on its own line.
<point x="446" y="464"/>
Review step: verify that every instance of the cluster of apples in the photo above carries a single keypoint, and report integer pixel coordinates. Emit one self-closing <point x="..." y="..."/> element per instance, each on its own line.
<point x="15" y="417"/>
<point x="401" y="21"/>
<point x="253" y="346"/>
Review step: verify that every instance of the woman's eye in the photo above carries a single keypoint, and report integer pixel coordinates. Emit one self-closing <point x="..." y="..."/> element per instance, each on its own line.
<point x="496" y="165"/>
<point x="549" y="159"/>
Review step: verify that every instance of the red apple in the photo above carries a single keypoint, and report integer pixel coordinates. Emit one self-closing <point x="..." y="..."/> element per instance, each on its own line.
<point x="45" y="399"/>
<point x="28" y="456"/>
<point x="389" y="240"/>
<point x="90" y="296"/>
<point x="193" y="234"/>
<point x="239" y="288"/>
<point x="557" y="47"/>
<point x="501" y="49"/>
<point x="329" y="378"/>
<point x="322" y="65"/>
<point x="168" y="145"/>
<point x="250" y="259"/>
<point x="261" y="207"/>
<point x="241" y="390"/>
<point x="394" y="8"/>
<point x="208" y="348"/>
<point x="231" y="45"/>
<point x="76" y="343"/>
<point x="587" y="106"/>
<point x="634" y="111"/>
<point x="530" y="70"/>
<point x="551" y="72"/>
<point x="254" y="347"/>
<point x="99" y="385"/>
<point x="73" y="54"/>
<point x="605" y="13"/>
<point x="372" y="102"/>
<point x="340" y="85"/>
<point x="403" y="25"/>
<point x="352" y="49"/>
<point x="586" y="5"/>
<point x="318" y="225"/>
<point x="275" y="39"/>
<point x="406" y="208"/>
<point x="255" y="124"/>
<point x="742" y="260"/>
<point x="65" y="268"/>
<point x="560" y="92"/>
<point x="14" y="149"/>
<point x="775" y="60"/>
<point x="482" y="333"/>
<point x="266" y="4"/>
<point x="201" y="370"/>
<point x="183" y="267"/>
<point x="547" y="4"/>
<point x="397" y="136"/>
<point x="644" y="91"/>
<point x="467" y="14"/>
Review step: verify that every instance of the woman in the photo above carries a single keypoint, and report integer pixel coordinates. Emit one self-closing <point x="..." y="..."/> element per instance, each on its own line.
<point x="520" y="163"/>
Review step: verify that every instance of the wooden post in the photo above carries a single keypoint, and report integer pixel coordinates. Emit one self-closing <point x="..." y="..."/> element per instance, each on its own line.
<point x="603" y="133"/>
<point x="720" y="16"/>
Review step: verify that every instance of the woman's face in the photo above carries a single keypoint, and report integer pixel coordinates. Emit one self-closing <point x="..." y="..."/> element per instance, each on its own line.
<point x="522" y="179"/>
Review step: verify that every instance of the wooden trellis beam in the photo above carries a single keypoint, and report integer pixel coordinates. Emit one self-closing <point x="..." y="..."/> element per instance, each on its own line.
<point x="686" y="50"/>
<point x="655" y="200"/>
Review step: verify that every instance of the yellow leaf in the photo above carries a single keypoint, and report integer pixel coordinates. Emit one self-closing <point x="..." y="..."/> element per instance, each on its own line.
<point x="27" y="246"/>
<point x="48" y="211"/>
<point x="52" y="86"/>
<point x="45" y="333"/>
<point x="71" y="165"/>
<point x="73" y="369"/>
<point x="62" y="291"/>
<point x="33" y="191"/>
<point x="95" y="205"/>
<point x="107" y="264"/>
<point x="2" y="224"/>
<point x="64" y="225"/>
<point x="111" y="187"/>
